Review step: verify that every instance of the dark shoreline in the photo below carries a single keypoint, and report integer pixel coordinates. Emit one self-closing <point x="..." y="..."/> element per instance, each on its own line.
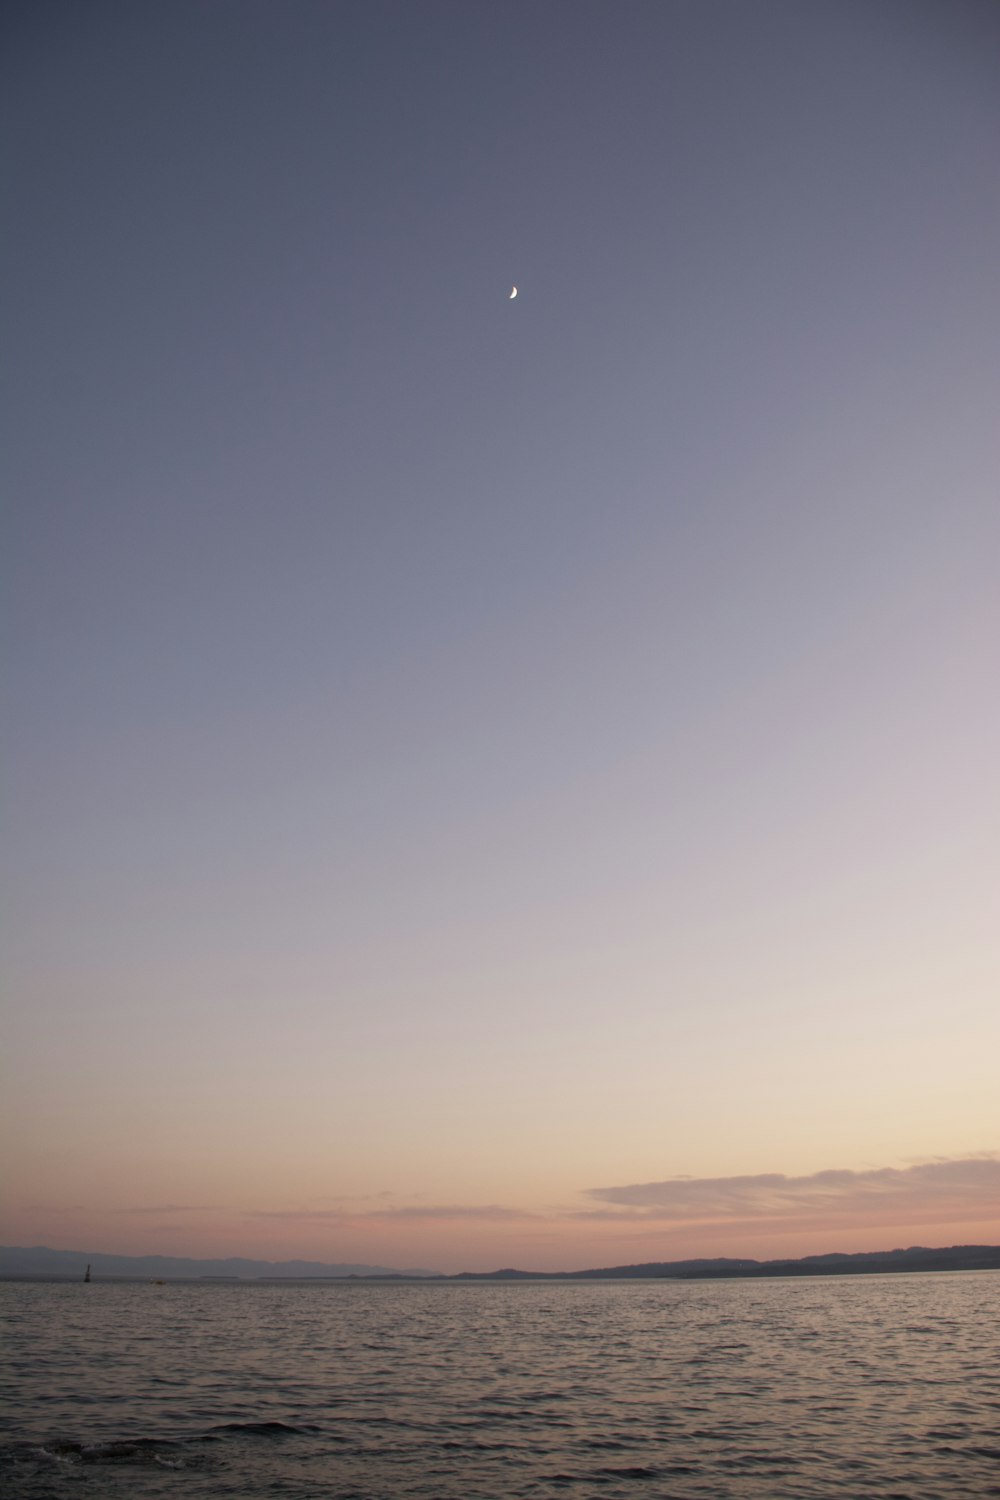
<point x="917" y="1259"/>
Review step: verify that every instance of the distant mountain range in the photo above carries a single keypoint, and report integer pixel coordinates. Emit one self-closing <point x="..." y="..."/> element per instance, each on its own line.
<point x="40" y="1261"/>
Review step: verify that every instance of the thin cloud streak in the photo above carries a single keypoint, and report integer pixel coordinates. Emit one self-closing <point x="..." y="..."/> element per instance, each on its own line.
<point x="168" y="1208"/>
<point x="935" y="1191"/>
<point x="490" y="1212"/>
<point x="301" y="1215"/>
<point x="927" y="1189"/>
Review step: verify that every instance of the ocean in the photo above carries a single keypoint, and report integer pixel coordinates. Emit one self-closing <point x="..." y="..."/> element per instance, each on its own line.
<point x="850" y="1387"/>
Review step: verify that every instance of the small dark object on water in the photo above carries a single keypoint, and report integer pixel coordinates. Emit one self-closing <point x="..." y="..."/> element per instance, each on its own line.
<point x="86" y="1274"/>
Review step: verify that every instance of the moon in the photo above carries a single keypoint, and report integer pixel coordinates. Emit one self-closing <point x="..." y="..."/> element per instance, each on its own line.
<point x="513" y="294"/>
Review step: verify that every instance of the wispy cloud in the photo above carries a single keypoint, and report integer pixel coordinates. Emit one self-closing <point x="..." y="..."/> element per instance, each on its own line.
<point x="168" y="1208"/>
<point x="926" y="1190"/>
<point x="488" y="1211"/>
<point x="965" y="1190"/>
<point x="299" y="1215"/>
<point x="439" y="1212"/>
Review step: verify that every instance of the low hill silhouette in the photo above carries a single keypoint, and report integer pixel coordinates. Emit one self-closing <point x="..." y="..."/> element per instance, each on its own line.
<point x="39" y="1261"/>
<point x="870" y="1262"/>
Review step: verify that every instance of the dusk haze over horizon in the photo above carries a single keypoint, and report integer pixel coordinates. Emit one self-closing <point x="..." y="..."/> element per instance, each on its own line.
<point x="501" y="780"/>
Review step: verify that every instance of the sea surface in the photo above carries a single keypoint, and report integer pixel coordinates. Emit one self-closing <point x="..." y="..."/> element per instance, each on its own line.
<point x="855" y="1387"/>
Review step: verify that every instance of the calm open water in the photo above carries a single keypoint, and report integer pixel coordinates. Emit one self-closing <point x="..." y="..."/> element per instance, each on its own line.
<point x="848" y="1387"/>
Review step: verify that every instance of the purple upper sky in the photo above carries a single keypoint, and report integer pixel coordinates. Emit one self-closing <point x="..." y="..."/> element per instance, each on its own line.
<point x="460" y="751"/>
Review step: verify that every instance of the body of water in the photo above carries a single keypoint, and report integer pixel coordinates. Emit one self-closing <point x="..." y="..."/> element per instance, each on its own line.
<point x="850" y="1387"/>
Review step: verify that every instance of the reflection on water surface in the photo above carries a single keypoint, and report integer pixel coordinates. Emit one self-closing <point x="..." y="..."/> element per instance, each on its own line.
<point x="848" y="1386"/>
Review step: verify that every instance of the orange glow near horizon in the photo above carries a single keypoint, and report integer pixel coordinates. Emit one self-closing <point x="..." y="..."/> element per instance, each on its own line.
<point x="960" y="1206"/>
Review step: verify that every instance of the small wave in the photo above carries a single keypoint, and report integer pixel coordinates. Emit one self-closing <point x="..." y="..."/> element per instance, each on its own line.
<point x="135" y="1451"/>
<point x="51" y="1455"/>
<point x="471" y="1446"/>
<point x="261" y="1429"/>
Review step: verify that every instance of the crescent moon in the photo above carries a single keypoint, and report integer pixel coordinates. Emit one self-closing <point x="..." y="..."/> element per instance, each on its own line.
<point x="513" y="294"/>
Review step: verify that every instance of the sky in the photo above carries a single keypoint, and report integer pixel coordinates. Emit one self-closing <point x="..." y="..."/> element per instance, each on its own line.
<point x="501" y="782"/>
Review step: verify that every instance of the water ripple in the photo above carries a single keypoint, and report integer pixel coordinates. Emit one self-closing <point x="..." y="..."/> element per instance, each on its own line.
<point x="846" y="1387"/>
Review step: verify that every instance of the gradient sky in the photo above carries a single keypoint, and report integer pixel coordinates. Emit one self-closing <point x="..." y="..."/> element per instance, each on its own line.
<point x="498" y="782"/>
